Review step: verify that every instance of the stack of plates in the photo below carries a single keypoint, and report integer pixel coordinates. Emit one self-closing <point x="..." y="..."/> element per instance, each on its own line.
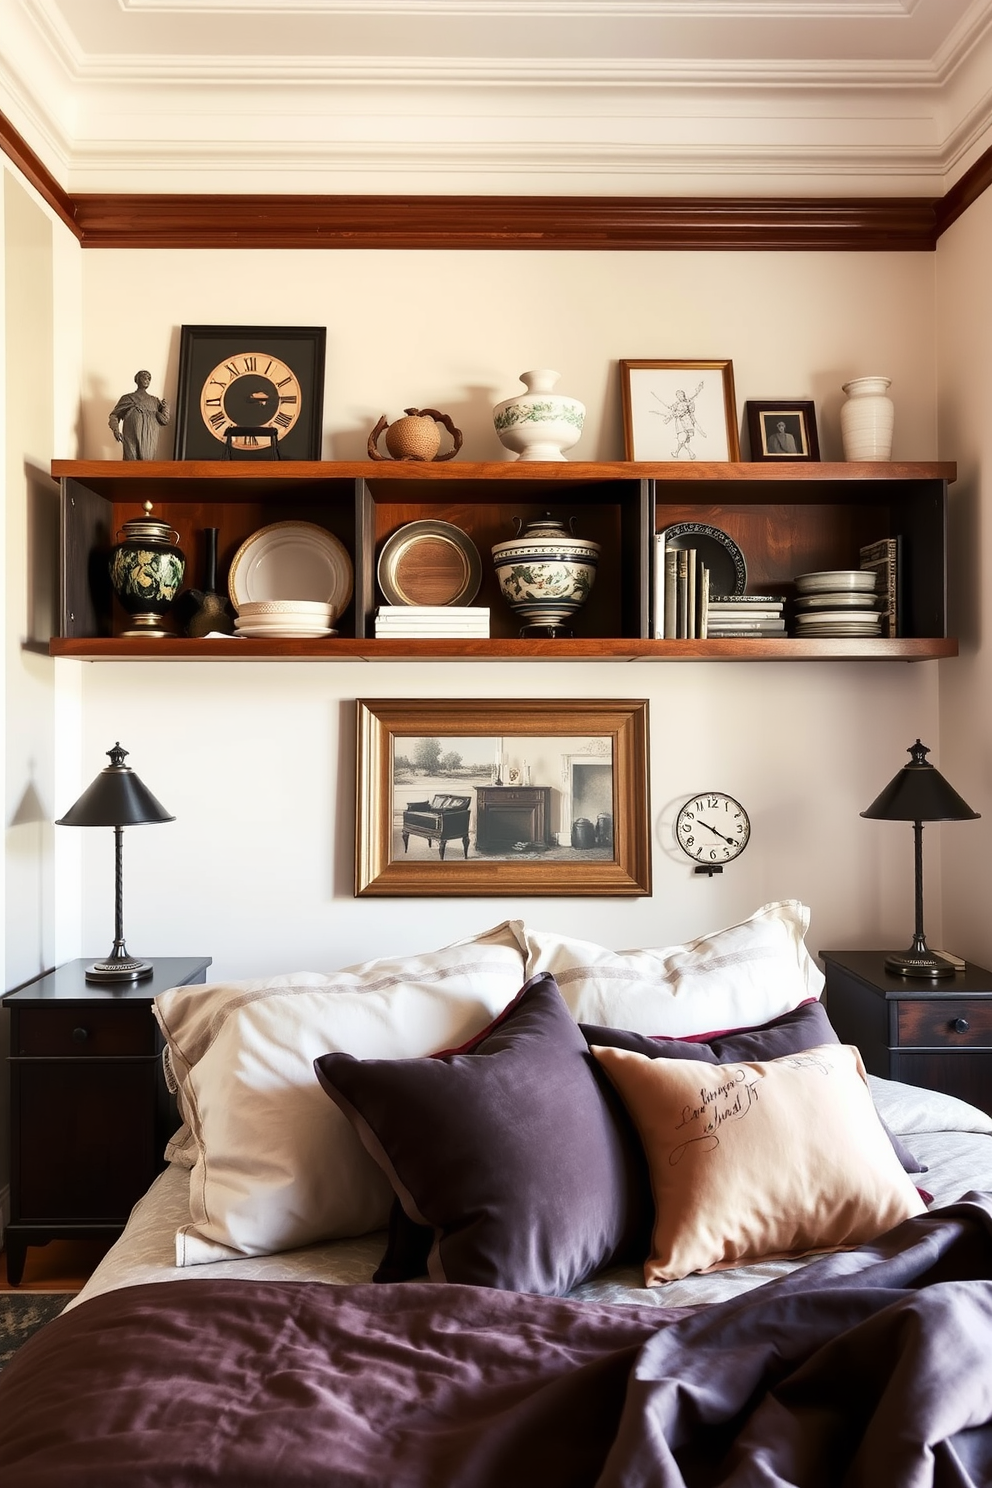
<point x="284" y="619"/>
<point x="837" y="602"/>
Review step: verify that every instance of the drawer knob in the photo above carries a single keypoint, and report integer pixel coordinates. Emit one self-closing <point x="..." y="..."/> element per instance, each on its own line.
<point x="80" y="1035"/>
<point x="960" y="1025"/>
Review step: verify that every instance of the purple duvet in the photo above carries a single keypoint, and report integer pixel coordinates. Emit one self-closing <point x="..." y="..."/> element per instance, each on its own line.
<point x="869" y="1369"/>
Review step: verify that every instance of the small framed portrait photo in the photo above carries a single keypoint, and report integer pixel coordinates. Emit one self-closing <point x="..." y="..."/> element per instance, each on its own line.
<point x="782" y="430"/>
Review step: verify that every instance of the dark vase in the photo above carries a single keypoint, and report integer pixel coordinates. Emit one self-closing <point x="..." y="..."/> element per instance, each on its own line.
<point x="205" y="610"/>
<point x="146" y="570"/>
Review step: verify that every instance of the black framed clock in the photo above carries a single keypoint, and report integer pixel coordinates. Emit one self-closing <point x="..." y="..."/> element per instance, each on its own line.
<point x="250" y="391"/>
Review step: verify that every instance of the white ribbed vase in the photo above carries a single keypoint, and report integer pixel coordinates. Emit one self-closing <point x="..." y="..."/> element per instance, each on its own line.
<point x="866" y="419"/>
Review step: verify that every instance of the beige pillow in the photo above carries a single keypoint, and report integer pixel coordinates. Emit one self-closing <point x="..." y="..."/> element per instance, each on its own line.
<point x="274" y="1164"/>
<point x="756" y="1161"/>
<point x="737" y="977"/>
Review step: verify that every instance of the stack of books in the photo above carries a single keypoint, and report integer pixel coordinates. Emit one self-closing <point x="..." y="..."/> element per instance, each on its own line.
<point x="681" y="593"/>
<point x="729" y="616"/>
<point x="431" y="622"/>
<point x="884" y="558"/>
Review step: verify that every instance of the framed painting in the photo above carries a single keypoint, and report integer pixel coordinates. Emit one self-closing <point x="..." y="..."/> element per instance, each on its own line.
<point x="250" y="392"/>
<point x="506" y="796"/>
<point x="679" y="411"/>
<point x="782" y="430"/>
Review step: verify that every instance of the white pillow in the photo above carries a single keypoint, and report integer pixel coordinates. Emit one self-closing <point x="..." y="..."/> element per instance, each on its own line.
<point x="274" y="1163"/>
<point x="912" y="1110"/>
<point x="735" y="978"/>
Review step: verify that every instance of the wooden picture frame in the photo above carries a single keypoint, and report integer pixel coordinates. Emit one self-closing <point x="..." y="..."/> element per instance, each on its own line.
<point x="557" y="795"/>
<point x="782" y="429"/>
<point x="265" y="381"/>
<point x="677" y="410"/>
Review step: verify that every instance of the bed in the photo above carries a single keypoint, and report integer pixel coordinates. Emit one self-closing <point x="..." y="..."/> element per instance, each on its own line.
<point x="357" y="1269"/>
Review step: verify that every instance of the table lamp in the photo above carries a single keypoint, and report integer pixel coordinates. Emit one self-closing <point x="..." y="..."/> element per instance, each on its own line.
<point x="919" y="793"/>
<point x="118" y="799"/>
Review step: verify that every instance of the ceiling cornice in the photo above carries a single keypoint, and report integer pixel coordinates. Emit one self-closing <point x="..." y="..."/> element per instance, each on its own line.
<point x="156" y="220"/>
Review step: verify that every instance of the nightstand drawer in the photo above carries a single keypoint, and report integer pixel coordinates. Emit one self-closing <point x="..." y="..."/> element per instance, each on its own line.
<point x="957" y="1023"/>
<point x="109" y="1031"/>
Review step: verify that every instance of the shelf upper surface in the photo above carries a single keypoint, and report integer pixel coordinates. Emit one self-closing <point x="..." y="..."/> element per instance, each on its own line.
<point x="114" y="476"/>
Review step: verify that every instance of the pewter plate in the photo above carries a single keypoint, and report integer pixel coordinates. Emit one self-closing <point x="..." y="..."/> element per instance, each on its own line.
<point x="429" y="563"/>
<point x="714" y="548"/>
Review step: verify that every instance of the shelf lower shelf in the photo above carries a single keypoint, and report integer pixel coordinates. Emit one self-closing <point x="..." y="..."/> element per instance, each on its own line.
<point x="342" y="648"/>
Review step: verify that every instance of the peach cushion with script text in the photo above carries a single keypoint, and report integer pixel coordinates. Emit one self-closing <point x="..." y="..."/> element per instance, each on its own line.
<point x="760" y="1160"/>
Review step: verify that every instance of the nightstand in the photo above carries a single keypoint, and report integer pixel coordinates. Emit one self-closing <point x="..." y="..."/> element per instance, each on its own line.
<point x="89" y="1110"/>
<point x="936" y="1034"/>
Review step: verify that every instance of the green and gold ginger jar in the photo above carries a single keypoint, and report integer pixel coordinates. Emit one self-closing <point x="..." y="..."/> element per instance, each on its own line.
<point x="146" y="569"/>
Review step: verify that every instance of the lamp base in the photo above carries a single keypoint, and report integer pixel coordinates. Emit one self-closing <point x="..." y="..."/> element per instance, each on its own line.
<point x="923" y="963"/>
<point x="119" y="968"/>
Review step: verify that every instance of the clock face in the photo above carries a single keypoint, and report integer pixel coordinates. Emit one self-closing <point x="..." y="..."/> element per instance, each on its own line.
<point x="712" y="828"/>
<point x="250" y="390"/>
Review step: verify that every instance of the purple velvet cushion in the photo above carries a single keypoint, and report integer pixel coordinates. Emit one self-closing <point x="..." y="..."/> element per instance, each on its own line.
<point x="513" y="1154"/>
<point x="805" y="1027"/>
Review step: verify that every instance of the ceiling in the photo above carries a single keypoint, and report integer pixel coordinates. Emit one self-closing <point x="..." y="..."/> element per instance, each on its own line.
<point x="521" y="97"/>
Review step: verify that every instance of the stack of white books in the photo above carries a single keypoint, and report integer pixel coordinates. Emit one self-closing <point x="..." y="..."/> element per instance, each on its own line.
<point x="431" y="622"/>
<point x="729" y="616"/>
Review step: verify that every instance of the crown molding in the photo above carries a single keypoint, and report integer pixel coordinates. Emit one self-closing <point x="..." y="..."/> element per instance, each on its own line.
<point x="33" y="169"/>
<point x="156" y="220"/>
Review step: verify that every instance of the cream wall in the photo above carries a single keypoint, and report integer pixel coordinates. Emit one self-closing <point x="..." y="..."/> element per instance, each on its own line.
<point x="964" y="367"/>
<point x="257" y="761"/>
<point x="452" y="330"/>
<point x="40" y="316"/>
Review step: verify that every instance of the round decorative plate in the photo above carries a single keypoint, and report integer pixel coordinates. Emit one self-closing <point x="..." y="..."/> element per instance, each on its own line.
<point x="838" y="617"/>
<point x="855" y="600"/>
<point x="291" y="560"/>
<point x="720" y="554"/>
<point x="429" y="563"/>
<point x="252" y="632"/>
<point x="836" y="580"/>
<point x="274" y="608"/>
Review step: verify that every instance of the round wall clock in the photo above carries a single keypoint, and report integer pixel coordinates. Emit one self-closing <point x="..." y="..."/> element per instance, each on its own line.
<point x="247" y="378"/>
<point x="712" y="829"/>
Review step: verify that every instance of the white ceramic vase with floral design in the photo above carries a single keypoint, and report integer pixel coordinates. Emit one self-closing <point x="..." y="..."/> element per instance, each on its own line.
<point x="539" y="424"/>
<point x="545" y="573"/>
<point x="866" y="419"/>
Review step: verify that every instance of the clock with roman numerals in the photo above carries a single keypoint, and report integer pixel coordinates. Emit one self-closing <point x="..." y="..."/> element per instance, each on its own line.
<point x="251" y="390"/>
<point x="236" y="380"/>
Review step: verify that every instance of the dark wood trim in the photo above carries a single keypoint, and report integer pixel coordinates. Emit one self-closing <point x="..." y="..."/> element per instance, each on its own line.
<point x="975" y="180"/>
<point x="17" y="149"/>
<point x="654" y="224"/>
<point x="633" y="223"/>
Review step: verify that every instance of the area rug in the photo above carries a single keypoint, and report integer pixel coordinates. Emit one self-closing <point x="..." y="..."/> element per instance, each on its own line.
<point x="22" y="1314"/>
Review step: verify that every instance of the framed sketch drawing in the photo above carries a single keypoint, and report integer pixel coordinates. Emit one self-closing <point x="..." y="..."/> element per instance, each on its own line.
<point x="679" y="411"/>
<point x="507" y="796"/>
<point x="782" y="430"/>
<point x="254" y="392"/>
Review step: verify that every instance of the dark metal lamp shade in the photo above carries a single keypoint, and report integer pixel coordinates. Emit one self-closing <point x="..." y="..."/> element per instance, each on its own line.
<point x="118" y="799"/>
<point x="919" y="793"/>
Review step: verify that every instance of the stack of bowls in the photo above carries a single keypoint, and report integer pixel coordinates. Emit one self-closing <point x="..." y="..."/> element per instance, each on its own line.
<point x="285" y="619"/>
<point x="837" y="602"/>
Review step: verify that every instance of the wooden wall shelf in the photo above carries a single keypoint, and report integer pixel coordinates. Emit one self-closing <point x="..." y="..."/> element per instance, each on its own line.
<point x="342" y="649"/>
<point x="787" y="518"/>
